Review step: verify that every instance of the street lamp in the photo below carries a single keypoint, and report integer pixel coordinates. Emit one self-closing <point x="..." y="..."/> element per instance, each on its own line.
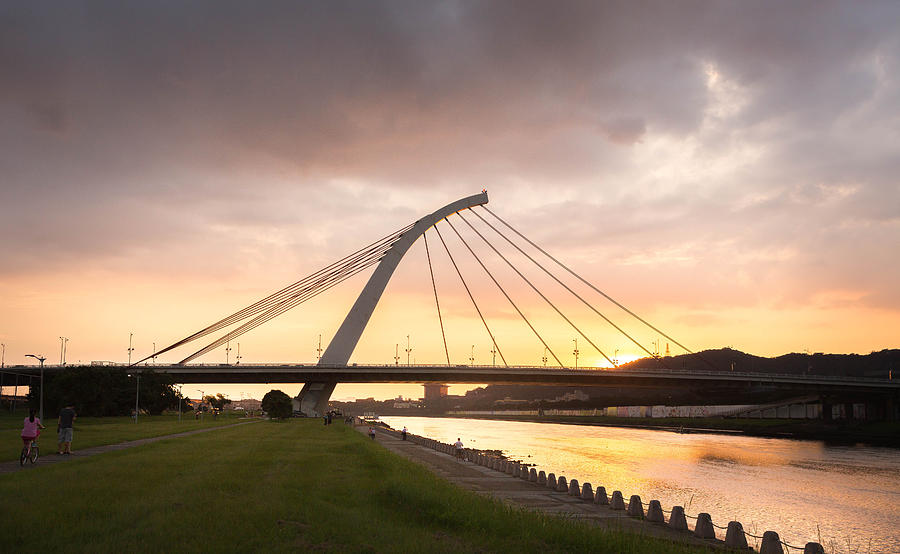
<point x="472" y="356"/>
<point x="576" y="353"/>
<point x="154" y="354"/>
<point x="201" y="403"/>
<point x="179" y="403"/>
<point x="544" y="357"/>
<point x="408" y="350"/>
<point x="227" y="351"/>
<point x="137" y="395"/>
<point x="130" y="349"/>
<point x="2" y="355"/>
<point x="63" y="342"/>
<point x="238" y="357"/>
<point x="40" y="359"/>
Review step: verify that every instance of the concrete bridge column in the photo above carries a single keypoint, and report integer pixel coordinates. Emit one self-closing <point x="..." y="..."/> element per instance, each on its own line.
<point x="313" y="398"/>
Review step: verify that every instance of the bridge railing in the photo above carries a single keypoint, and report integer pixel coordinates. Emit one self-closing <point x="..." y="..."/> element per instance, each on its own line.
<point x="512" y="368"/>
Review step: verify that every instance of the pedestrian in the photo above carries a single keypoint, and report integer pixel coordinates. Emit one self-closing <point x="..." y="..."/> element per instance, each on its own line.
<point x="330" y="415"/>
<point x="64" y="428"/>
<point x="459" y="448"/>
<point x="371" y="432"/>
<point x="403" y="432"/>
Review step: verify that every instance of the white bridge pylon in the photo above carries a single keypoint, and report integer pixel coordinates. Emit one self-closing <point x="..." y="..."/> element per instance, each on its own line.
<point x="313" y="398"/>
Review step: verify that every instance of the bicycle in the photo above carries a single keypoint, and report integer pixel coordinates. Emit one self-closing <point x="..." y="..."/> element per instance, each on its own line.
<point x="29" y="453"/>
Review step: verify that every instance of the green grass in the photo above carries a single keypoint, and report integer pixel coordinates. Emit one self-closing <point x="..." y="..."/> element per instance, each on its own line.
<point x="274" y="487"/>
<point x="96" y="431"/>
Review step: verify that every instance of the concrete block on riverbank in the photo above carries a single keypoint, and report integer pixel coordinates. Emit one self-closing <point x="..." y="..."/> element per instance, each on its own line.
<point x="600" y="497"/>
<point x="542" y="478"/>
<point x="510" y="468"/>
<point x="735" y="536"/>
<point x="617" y="502"/>
<point x="561" y="484"/>
<point x="655" y="513"/>
<point x="587" y="492"/>
<point x="551" y="481"/>
<point x="533" y="476"/>
<point x="574" y="488"/>
<point x="677" y="519"/>
<point x="635" y="506"/>
<point x="526" y="473"/>
<point x="771" y="543"/>
<point x="813" y="548"/>
<point x="704" y="528"/>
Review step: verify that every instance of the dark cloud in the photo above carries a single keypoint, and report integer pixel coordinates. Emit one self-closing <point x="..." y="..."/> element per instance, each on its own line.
<point x="729" y="133"/>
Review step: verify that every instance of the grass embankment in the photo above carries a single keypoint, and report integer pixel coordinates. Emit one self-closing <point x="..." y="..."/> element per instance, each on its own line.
<point x="274" y="486"/>
<point x="97" y="431"/>
<point x="877" y="432"/>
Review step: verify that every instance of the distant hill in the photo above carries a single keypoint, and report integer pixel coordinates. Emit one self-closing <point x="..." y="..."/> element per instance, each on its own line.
<point x="876" y="364"/>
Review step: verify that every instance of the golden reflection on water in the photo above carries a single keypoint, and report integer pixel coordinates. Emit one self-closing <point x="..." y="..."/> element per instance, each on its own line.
<point x="797" y="488"/>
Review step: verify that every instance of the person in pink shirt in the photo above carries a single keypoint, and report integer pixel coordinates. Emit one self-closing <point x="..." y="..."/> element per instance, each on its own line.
<point x="31" y="429"/>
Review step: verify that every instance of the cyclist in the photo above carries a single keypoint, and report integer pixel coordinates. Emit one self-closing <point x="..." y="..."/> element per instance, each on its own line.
<point x="31" y="430"/>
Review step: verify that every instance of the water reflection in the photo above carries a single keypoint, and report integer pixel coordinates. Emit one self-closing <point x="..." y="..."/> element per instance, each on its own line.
<point x="847" y="495"/>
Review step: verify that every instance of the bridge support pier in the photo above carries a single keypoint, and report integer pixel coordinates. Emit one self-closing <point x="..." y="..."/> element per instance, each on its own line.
<point x="312" y="401"/>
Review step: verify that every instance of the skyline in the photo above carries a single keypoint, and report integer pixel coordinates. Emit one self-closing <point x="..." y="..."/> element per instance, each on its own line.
<point x="727" y="171"/>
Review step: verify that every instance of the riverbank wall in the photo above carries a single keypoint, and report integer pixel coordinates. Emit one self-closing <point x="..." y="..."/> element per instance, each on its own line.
<point x="605" y="499"/>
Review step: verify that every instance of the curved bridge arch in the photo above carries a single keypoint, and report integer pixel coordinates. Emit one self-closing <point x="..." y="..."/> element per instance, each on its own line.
<point x="313" y="399"/>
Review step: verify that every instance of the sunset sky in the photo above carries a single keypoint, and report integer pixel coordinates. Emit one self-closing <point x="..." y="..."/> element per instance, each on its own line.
<point x="727" y="170"/>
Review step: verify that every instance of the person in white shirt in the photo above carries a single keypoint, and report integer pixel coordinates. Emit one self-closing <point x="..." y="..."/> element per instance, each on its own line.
<point x="459" y="448"/>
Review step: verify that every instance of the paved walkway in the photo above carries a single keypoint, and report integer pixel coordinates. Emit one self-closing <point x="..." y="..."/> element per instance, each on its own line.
<point x="512" y="490"/>
<point x="51" y="457"/>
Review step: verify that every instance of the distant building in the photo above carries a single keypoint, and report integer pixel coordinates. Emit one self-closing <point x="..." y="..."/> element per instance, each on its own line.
<point x="434" y="391"/>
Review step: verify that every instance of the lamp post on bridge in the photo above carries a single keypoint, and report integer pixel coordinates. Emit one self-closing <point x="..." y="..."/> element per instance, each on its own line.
<point x="319" y="349"/>
<point x="63" y="341"/>
<point x="615" y="359"/>
<point x="544" y="357"/>
<point x="408" y="350"/>
<point x="2" y="355"/>
<point x="130" y="348"/>
<point x="154" y="363"/>
<point x="472" y="356"/>
<point x="576" y="353"/>
<point x="396" y="353"/>
<point x="494" y="356"/>
<point x="238" y="357"/>
<point x="227" y="351"/>
<point x="40" y="359"/>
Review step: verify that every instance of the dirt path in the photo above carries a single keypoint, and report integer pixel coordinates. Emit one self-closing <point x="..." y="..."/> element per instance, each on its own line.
<point x="50" y="458"/>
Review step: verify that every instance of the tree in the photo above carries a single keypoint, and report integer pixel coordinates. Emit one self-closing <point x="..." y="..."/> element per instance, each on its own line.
<point x="277" y="404"/>
<point x="104" y="391"/>
<point x="218" y="401"/>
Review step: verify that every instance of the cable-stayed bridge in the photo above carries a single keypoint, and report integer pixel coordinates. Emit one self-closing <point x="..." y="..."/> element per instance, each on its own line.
<point x="467" y="216"/>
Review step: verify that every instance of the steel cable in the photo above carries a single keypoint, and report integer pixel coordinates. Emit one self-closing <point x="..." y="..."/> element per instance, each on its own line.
<point x="472" y="298"/>
<point x="547" y="300"/>
<point x="283" y="307"/>
<point x="504" y="292"/>
<point x="583" y="280"/>
<point x="436" y="303"/>
<point x="378" y="247"/>
<point x="565" y="286"/>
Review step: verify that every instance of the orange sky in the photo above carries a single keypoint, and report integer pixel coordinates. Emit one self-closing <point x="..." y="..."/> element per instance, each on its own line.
<point x="730" y="177"/>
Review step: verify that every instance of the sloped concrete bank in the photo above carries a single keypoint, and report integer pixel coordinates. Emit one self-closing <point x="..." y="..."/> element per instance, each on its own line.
<point x="541" y="489"/>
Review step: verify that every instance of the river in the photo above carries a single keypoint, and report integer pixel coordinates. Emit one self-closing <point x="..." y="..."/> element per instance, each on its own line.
<point x="845" y="497"/>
